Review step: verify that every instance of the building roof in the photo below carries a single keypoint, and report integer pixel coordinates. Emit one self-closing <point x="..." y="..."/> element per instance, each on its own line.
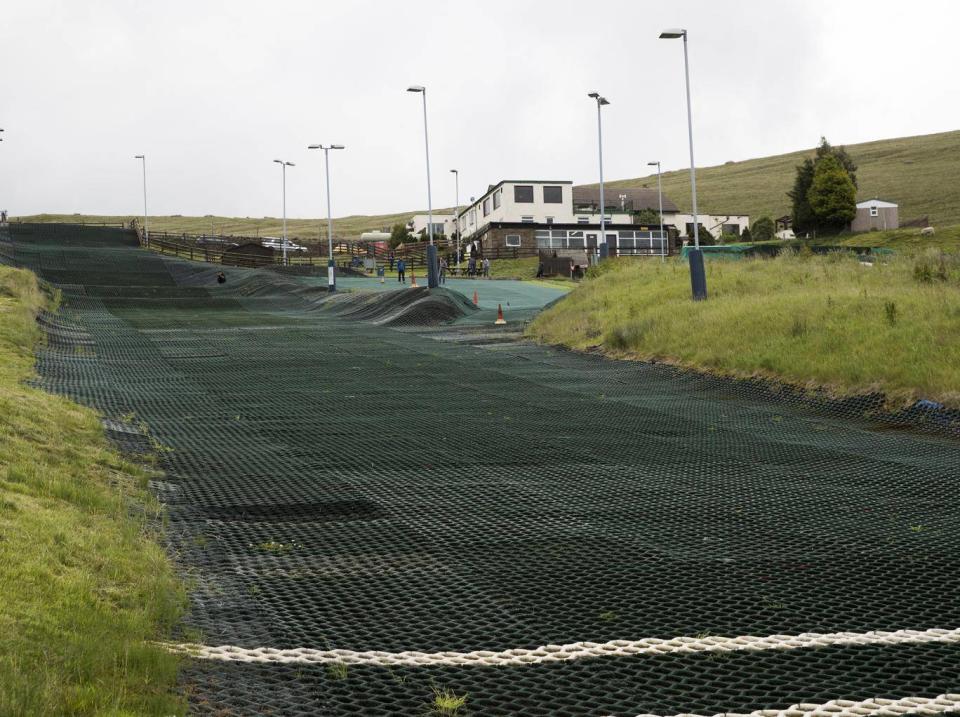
<point x="640" y="197"/>
<point x="876" y="202"/>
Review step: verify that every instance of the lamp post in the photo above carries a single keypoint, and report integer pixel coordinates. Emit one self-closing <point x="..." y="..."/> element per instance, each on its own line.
<point x="601" y="101"/>
<point x="146" y="223"/>
<point x="663" y="244"/>
<point x="432" y="268"/>
<point x="698" y="277"/>
<point x="331" y="265"/>
<point x="456" y="212"/>
<point x="283" y="168"/>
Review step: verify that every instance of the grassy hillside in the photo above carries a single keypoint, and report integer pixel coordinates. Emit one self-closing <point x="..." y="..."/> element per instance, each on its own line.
<point x="818" y="321"/>
<point x="919" y="173"/>
<point x="85" y="587"/>
<point x="304" y="230"/>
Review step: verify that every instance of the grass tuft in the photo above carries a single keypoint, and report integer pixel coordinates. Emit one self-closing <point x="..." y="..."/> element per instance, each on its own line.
<point x="446" y="702"/>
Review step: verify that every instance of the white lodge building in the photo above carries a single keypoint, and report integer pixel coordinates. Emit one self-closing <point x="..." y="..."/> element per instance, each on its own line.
<point x="555" y="215"/>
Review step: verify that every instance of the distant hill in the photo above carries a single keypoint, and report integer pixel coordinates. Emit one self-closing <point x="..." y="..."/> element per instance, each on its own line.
<point x="922" y="174"/>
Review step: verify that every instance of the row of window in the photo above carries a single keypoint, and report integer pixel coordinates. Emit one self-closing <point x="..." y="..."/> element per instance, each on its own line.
<point x="523" y="194"/>
<point x="573" y="239"/>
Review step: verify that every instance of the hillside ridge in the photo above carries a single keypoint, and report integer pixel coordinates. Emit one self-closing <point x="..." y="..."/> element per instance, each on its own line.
<point x="921" y="173"/>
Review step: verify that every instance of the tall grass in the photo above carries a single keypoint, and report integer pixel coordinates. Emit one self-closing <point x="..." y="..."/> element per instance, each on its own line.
<point x="84" y="586"/>
<point x="824" y="321"/>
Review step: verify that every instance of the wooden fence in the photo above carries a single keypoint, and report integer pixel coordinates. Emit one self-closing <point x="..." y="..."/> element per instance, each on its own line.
<point x="347" y="253"/>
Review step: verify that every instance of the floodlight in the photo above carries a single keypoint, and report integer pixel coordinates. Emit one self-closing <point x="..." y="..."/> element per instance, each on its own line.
<point x="673" y="34"/>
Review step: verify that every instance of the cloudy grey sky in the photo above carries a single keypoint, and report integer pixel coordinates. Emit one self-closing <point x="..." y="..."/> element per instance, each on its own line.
<point x="212" y="91"/>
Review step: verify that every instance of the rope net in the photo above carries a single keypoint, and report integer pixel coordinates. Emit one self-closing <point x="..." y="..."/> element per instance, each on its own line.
<point x="387" y="473"/>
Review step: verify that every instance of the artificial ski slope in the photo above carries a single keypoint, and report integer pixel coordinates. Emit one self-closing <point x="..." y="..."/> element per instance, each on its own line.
<point x="380" y="498"/>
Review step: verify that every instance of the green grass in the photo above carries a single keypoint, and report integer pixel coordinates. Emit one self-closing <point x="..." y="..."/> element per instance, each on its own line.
<point x="85" y="586"/>
<point x="446" y="702"/>
<point x="821" y="322"/>
<point x="906" y="240"/>
<point x="919" y="173"/>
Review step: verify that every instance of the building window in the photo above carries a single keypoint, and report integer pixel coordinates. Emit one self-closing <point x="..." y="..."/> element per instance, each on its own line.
<point x="526" y="220"/>
<point x="583" y="220"/>
<point x="552" y="195"/>
<point x="513" y="240"/>
<point x="549" y="220"/>
<point x="496" y="198"/>
<point x="473" y="217"/>
<point x="731" y="229"/>
<point x="486" y="206"/>
<point x="874" y="211"/>
<point x="523" y="193"/>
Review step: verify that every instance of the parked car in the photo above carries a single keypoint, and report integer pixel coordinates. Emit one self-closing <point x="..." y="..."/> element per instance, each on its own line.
<point x="277" y="243"/>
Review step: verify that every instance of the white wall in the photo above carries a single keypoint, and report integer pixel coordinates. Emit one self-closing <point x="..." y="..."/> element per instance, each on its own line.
<point x="712" y="222"/>
<point x="419" y="223"/>
<point x="512" y="211"/>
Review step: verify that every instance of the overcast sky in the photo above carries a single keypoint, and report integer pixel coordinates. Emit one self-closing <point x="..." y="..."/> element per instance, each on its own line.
<point x="213" y="91"/>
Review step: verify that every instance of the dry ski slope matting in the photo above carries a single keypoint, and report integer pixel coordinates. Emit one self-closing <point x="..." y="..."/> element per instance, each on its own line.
<point x="379" y="501"/>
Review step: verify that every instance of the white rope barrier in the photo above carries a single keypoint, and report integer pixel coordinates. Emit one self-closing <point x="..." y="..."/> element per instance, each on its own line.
<point x="875" y="707"/>
<point x="649" y="646"/>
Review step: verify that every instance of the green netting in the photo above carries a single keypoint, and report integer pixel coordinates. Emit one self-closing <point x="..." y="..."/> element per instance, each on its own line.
<point x="393" y="472"/>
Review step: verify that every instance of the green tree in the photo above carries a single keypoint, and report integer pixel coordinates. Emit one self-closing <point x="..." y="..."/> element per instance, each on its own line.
<point x="398" y="235"/>
<point x="840" y="153"/>
<point x="833" y="195"/>
<point x="648" y="217"/>
<point x="804" y="217"/>
<point x="802" y="214"/>
<point x="763" y="229"/>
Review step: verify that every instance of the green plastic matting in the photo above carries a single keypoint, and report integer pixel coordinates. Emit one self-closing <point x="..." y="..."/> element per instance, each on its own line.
<point x="391" y="472"/>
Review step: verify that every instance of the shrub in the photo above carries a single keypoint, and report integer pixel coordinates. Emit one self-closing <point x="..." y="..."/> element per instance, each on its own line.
<point x="763" y="229"/>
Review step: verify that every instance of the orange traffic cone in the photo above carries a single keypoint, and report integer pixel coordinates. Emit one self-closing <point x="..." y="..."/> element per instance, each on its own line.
<point x="413" y="279"/>
<point x="500" y="319"/>
<point x="476" y="299"/>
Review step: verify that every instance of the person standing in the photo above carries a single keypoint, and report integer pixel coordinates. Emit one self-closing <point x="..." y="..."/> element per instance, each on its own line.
<point x="486" y="268"/>
<point x="401" y="271"/>
<point x="443" y="270"/>
<point x="472" y="266"/>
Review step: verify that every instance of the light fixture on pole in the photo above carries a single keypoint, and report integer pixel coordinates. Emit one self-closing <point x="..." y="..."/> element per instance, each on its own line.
<point x="601" y="101"/>
<point x="663" y="243"/>
<point x="698" y="277"/>
<point x="146" y="222"/>
<point x="432" y="268"/>
<point x="331" y="265"/>
<point x="456" y="212"/>
<point x="283" y="168"/>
